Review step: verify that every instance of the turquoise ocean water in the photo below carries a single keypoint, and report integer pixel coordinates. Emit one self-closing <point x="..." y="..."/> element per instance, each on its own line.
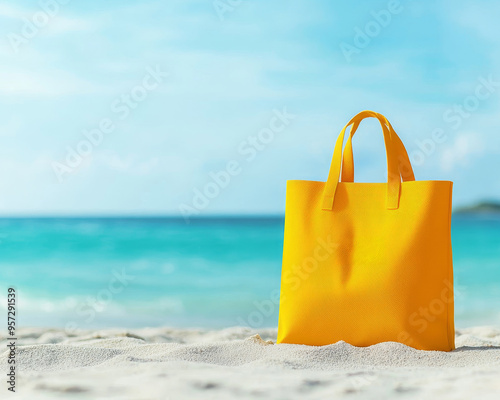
<point x="212" y="272"/>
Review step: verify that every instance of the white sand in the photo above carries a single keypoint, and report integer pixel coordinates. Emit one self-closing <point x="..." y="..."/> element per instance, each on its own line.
<point x="175" y="364"/>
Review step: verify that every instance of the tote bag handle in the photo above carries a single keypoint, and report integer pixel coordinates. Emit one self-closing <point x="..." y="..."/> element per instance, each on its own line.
<point x="405" y="167"/>
<point x="393" y="172"/>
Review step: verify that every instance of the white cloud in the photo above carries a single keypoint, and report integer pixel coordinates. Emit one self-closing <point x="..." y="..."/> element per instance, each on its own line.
<point x="39" y="19"/>
<point x="115" y="162"/>
<point x="482" y="20"/>
<point x="56" y="83"/>
<point x="61" y="25"/>
<point x="461" y="152"/>
<point x="10" y="11"/>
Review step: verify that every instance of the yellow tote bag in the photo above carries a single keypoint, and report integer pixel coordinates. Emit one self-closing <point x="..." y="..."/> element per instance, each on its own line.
<point x="368" y="262"/>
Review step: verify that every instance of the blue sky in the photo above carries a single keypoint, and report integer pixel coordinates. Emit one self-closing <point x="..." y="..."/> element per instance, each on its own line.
<point x="225" y="70"/>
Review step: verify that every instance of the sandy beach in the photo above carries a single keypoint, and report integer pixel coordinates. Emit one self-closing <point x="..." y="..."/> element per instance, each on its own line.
<point x="163" y="363"/>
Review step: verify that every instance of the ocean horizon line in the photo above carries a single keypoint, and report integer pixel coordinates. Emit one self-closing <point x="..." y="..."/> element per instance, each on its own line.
<point x="141" y="216"/>
<point x="167" y="217"/>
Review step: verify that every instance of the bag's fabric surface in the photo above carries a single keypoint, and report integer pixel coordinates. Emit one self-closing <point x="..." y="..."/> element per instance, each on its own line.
<point x="368" y="262"/>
